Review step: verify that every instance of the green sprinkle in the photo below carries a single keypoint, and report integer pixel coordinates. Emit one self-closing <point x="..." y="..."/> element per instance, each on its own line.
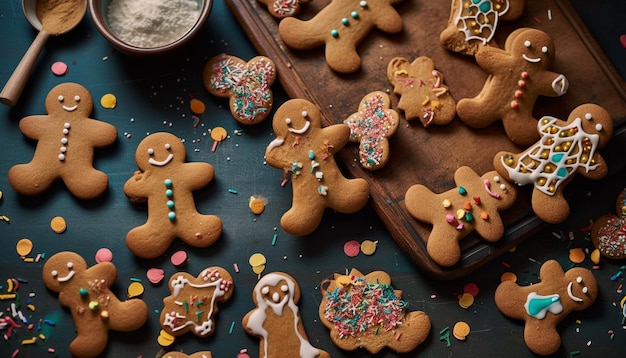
<point x="232" y="191"/>
<point x="274" y="239"/>
<point x="232" y="326"/>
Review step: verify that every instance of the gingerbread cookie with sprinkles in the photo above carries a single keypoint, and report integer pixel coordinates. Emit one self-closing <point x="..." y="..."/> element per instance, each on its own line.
<point x="518" y="74"/>
<point x="86" y="291"/>
<point x="608" y="232"/>
<point x="276" y="319"/>
<point x="474" y="23"/>
<point x="247" y="85"/>
<point x="166" y="182"/>
<point x="423" y="93"/>
<point x="193" y="301"/>
<point x="341" y="26"/>
<point x="283" y="8"/>
<point x="385" y="323"/>
<point x="304" y="151"/>
<point x="474" y="205"/>
<point x="66" y="141"/>
<point x="564" y="149"/>
<point x="175" y="354"/>
<point x="371" y="127"/>
<point x="543" y="305"/>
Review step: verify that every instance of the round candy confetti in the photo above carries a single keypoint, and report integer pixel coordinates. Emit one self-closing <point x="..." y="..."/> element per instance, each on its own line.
<point x="472" y="289"/>
<point x="24" y="247"/>
<point x="622" y="40"/>
<point x="135" y="289"/>
<point x="58" y="224"/>
<point x="352" y="248"/>
<point x="197" y="106"/>
<point x="595" y="256"/>
<point x="165" y="339"/>
<point x="466" y="300"/>
<point x="576" y="255"/>
<point x="368" y="247"/>
<point x="257" y="205"/>
<point x="257" y="261"/>
<point x="243" y="354"/>
<point x="218" y="134"/>
<point x="155" y="275"/>
<point x="59" y="68"/>
<point x="179" y="258"/>
<point x="508" y="276"/>
<point x="104" y="255"/>
<point x="108" y="101"/>
<point x="461" y="330"/>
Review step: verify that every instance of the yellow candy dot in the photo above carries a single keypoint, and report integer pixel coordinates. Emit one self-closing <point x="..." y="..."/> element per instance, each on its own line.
<point x="197" y="106"/>
<point x="165" y="339"/>
<point x="257" y="205"/>
<point x="577" y="255"/>
<point x="258" y="269"/>
<point x="595" y="256"/>
<point x="466" y="300"/>
<point x="257" y="259"/>
<point x="508" y="276"/>
<point x="135" y="289"/>
<point x="58" y="225"/>
<point x="108" y="101"/>
<point x="218" y="134"/>
<point x="368" y="247"/>
<point x="461" y="330"/>
<point x="343" y="280"/>
<point x="24" y="247"/>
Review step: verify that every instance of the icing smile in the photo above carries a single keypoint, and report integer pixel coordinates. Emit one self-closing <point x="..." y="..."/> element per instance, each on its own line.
<point x="160" y="163"/>
<point x="530" y="59"/>
<point x="571" y="294"/>
<point x="304" y="128"/>
<point x="67" y="277"/>
<point x="70" y="109"/>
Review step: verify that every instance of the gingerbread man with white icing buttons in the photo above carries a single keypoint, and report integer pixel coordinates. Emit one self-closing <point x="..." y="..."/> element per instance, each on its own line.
<point x="565" y="148"/>
<point x="167" y="183"/>
<point x="542" y="306"/>
<point x="276" y="319"/>
<point x="341" y="26"/>
<point x="472" y="206"/>
<point x="518" y="74"/>
<point x="304" y="151"/>
<point x="94" y="308"/>
<point x="66" y="140"/>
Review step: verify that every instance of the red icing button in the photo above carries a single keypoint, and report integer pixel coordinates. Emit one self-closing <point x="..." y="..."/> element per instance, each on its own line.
<point x="472" y="289"/>
<point x="179" y="258"/>
<point x="352" y="248"/>
<point x="155" y="275"/>
<point x="104" y="255"/>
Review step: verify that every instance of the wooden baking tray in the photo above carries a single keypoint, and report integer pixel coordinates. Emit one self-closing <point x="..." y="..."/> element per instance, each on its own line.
<point x="431" y="155"/>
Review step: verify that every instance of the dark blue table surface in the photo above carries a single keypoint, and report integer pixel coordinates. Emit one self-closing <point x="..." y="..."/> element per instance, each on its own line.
<point x="153" y="95"/>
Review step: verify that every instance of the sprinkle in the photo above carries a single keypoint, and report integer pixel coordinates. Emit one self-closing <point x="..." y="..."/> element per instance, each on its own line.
<point x="218" y="134"/>
<point x="256" y="205"/>
<point x="461" y="330"/>
<point x="104" y="255"/>
<point x="352" y="248"/>
<point x="368" y="247"/>
<point x="58" y="224"/>
<point x="196" y="121"/>
<point x="236" y="267"/>
<point x="15" y="353"/>
<point x="24" y="247"/>
<point x="274" y="239"/>
<point x="233" y="191"/>
<point x="444" y="335"/>
<point x="549" y="14"/>
<point x="59" y="68"/>
<point x="155" y="275"/>
<point x="232" y="326"/>
<point x="537" y="20"/>
<point x="179" y="258"/>
<point x="108" y="101"/>
<point x="577" y="255"/>
<point x="622" y="40"/>
<point x="197" y="106"/>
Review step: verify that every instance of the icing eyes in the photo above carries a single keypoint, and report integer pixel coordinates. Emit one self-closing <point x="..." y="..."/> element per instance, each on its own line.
<point x="589" y="117"/>
<point x="265" y="290"/>
<point x="70" y="265"/>
<point x="580" y="280"/>
<point x="288" y="120"/>
<point x="61" y="98"/>
<point x="54" y="273"/>
<point x="150" y="151"/>
<point x="527" y="43"/>
<point x="544" y="49"/>
<point x="284" y="288"/>
<point x="305" y="114"/>
<point x="77" y="98"/>
<point x="167" y="146"/>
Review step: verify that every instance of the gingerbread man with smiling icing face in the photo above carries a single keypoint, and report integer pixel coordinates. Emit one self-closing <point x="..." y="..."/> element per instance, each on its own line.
<point x="94" y="308"/>
<point x="542" y="306"/>
<point x="66" y="139"/>
<point x="518" y="74"/>
<point x="304" y="151"/>
<point x="167" y="183"/>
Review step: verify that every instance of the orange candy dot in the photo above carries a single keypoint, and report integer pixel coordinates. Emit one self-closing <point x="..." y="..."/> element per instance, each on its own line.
<point x="197" y="106"/>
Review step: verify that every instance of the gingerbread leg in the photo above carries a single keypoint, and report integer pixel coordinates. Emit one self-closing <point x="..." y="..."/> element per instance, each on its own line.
<point x="357" y="192"/>
<point x="148" y="243"/>
<point x="24" y="178"/>
<point x="91" y="343"/>
<point x="86" y="184"/>
<point x="118" y="319"/>
<point x="205" y="233"/>
<point x="553" y="209"/>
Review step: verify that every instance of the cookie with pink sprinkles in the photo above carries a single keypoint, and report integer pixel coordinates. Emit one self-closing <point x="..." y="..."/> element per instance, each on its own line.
<point x="365" y="311"/>
<point x="608" y="232"/>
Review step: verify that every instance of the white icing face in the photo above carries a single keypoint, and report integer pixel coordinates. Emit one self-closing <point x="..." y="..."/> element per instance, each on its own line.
<point x="583" y="289"/>
<point x="160" y="163"/>
<point x="301" y="130"/>
<point x="70" y="274"/>
<point x="528" y="44"/>
<point x="64" y="103"/>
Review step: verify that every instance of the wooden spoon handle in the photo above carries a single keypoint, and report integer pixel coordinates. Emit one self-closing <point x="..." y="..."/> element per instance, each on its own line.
<point x="14" y="86"/>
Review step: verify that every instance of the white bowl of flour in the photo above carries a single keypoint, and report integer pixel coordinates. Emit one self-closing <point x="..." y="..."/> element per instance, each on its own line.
<point x="149" y="26"/>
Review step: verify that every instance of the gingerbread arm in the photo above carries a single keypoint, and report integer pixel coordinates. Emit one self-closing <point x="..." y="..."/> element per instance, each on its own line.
<point x="102" y="134"/>
<point x="491" y="59"/>
<point x="135" y="188"/>
<point x="550" y="84"/>
<point x="388" y="20"/>
<point x="199" y="174"/>
<point x="33" y="126"/>
<point x="598" y="170"/>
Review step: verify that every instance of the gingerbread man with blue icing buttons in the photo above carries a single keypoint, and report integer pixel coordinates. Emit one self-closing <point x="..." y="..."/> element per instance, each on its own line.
<point x="66" y="142"/>
<point x="167" y="183"/>
<point x="542" y="306"/>
<point x="305" y="152"/>
<point x="341" y="26"/>
<point x="518" y="74"/>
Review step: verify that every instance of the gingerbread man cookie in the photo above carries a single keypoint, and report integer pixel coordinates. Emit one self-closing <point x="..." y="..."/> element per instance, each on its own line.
<point x="304" y="151"/>
<point x="276" y="319"/>
<point x="473" y="24"/>
<point x="167" y="183"/>
<point x="542" y="306"/>
<point x="565" y="148"/>
<point x="473" y="205"/>
<point x="518" y="74"/>
<point x="245" y="84"/>
<point x="341" y="26"/>
<point x="384" y="322"/>
<point x="422" y="91"/>
<point x="608" y="232"/>
<point x="283" y="8"/>
<point x="94" y="308"/>
<point x="371" y="127"/>
<point x="192" y="303"/>
<point x="66" y="140"/>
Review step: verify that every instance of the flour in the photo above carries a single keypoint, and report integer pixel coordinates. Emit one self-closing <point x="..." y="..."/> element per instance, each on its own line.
<point x="152" y="23"/>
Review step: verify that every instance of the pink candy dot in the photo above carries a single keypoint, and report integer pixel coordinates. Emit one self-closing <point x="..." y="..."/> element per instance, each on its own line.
<point x="155" y="275"/>
<point x="59" y="68"/>
<point x="179" y="258"/>
<point x="104" y="255"/>
<point x="352" y="248"/>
